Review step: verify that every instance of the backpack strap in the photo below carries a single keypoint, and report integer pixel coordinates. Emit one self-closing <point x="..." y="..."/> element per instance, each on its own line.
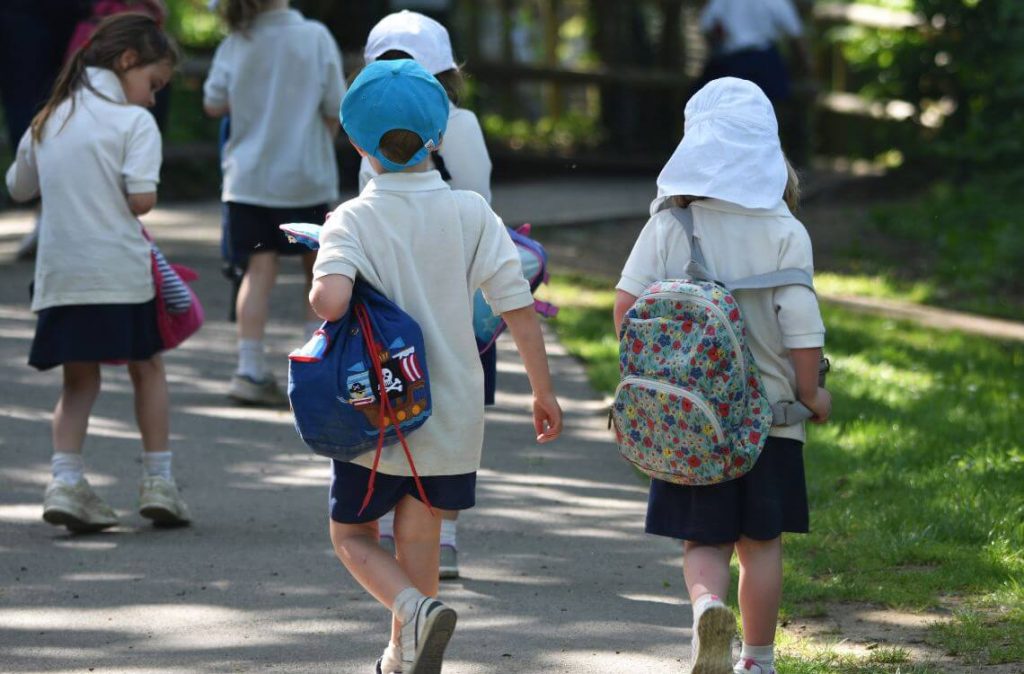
<point x="697" y="266"/>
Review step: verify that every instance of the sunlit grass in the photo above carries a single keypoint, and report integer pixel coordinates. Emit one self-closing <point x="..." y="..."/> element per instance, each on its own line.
<point x="916" y="486"/>
<point x="883" y="287"/>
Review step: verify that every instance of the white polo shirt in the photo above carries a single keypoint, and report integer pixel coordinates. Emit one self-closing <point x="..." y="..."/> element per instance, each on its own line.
<point x="739" y="242"/>
<point x="751" y="25"/>
<point x="428" y="248"/>
<point x="463" y="151"/>
<point x="91" y="248"/>
<point x="279" y="80"/>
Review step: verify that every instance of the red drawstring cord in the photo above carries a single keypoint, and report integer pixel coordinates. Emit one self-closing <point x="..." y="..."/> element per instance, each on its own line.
<point x="385" y="408"/>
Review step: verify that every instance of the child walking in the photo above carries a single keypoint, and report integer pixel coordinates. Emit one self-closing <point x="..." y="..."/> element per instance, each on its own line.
<point x="279" y="76"/>
<point x="428" y="248"/>
<point x="730" y="172"/>
<point x="464" y="164"/>
<point x="93" y="154"/>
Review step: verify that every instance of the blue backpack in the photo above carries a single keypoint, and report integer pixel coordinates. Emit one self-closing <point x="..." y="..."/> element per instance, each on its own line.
<point x="361" y="382"/>
<point x="487" y="327"/>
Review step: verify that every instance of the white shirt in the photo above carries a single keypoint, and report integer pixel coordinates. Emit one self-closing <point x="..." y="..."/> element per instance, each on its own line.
<point x="91" y="248"/>
<point x="751" y="24"/>
<point x="739" y="242"/>
<point x="428" y="248"/>
<point x="279" y="79"/>
<point x="464" y="153"/>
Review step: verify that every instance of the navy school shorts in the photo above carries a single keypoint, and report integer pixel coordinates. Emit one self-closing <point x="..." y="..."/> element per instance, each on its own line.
<point x="254" y="229"/>
<point x="348" y="489"/>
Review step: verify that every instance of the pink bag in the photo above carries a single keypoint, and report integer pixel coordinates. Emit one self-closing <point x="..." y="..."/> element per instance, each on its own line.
<point x="175" y="328"/>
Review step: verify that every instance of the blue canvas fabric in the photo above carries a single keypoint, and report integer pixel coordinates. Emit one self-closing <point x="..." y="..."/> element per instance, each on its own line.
<point x="333" y="384"/>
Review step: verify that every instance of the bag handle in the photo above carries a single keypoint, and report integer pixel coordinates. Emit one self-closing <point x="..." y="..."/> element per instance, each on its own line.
<point x="363" y="316"/>
<point x="697" y="266"/>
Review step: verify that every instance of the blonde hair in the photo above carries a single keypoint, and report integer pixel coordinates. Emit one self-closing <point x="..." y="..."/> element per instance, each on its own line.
<point x="790" y="194"/>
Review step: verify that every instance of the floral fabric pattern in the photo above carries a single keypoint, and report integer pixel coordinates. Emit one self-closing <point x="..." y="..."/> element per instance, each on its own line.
<point x="691" y="408"/>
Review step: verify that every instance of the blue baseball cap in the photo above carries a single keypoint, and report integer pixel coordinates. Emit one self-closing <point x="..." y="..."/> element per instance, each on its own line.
<point x="389" y="95"/>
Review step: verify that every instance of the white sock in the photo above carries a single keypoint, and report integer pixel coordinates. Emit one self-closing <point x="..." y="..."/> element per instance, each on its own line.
<point x="310" y="328"/>
<point x="448" y="533"/>
<point x="701" y="605"/>
<point x="764" y="656"/>
<point x="67" y="467"/>
<point x="391" y="659"/>
<point x="405" y="604"/>
<point x="157" y="464"/>
<point x="251" y="361"/>
<point x="386" y="524"/>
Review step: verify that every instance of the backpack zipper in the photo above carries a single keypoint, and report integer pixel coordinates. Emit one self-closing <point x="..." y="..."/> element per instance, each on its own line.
<point x="721" y="314"/>
<point x="682" y="392"/>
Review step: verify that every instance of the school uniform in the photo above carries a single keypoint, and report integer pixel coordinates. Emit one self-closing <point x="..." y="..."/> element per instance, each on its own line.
<point x="749" y="32"/>
<point x="428" y="248"/>
<point x="93" y="287"/>
<point x="279" y="79"/>
<point x="467" y="166"/>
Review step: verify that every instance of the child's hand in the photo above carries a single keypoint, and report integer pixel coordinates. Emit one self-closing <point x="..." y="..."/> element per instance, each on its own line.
<point x="821" y="405"/>
<point x="547" y="417"/>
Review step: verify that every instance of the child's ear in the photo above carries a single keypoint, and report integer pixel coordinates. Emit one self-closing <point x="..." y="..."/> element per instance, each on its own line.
<point x="128" y="59"/>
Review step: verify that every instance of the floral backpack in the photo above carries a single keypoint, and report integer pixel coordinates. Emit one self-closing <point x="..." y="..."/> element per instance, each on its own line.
<point x="691" y="407"/>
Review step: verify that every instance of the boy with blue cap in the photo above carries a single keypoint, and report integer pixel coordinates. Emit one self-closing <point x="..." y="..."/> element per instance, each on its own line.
<point x="428" y="248"/>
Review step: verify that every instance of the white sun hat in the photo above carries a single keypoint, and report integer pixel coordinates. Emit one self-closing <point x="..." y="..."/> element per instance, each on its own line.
<point x="419" y="36"/>
<point x="730" y="149"/>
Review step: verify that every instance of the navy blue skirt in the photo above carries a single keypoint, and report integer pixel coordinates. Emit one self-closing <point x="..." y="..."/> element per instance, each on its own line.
<point x="94" y="333"/>
<point x="770" y="499"/>
<point x="348" y="489"/>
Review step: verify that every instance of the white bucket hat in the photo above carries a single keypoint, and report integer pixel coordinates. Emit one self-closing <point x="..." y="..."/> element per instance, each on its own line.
<point x="730" y="149"/>
<point x="422" y="38"/>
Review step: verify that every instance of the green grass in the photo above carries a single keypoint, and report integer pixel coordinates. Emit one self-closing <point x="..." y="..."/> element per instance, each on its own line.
<point x="916" y="486"/>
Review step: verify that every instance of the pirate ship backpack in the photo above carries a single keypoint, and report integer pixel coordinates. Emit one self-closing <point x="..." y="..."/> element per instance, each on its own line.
<point x="361" y="382"/>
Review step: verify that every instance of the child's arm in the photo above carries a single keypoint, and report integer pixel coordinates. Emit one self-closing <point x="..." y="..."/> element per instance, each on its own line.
<point x="816" y="398"/>
<point x="330" y="296"/>
<point x="143" y="203"/>
<point x="623" y="302"/>
<point x="525" y="328"/>
<point x="23" y="175"/>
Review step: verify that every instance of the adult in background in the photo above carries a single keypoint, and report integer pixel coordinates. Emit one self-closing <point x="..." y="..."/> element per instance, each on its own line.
<point x="743" y="36"/>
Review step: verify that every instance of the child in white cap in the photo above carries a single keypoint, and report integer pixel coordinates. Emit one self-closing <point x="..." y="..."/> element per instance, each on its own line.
<point x="730" y="172"/>
<point x="428" y="248"/>
<point x="463" y="163"/>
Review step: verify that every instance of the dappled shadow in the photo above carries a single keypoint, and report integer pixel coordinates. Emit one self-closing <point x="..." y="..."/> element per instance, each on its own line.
<point x="557" y="574"/>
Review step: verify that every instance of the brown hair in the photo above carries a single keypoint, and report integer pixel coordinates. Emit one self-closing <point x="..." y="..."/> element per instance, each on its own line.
<point x="399" y="145"/>
<point x="241" y="13"/>
<point x="452" y="79"/>
<point x="113" y="37"/>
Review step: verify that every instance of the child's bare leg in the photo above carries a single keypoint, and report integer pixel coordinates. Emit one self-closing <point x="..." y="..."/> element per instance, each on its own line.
<point x="706" y="569"/>
<point x="152" y="406"/>
<point x="377" y="571"/>
<point x="760" y="588"/>
<point x="71" y="416"/>
<point x="307" y="267"/>
<point x="253" y="305"/>
<point x="418" y="549"/>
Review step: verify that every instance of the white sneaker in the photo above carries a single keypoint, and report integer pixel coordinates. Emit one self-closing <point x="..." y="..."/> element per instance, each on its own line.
<point x="425" y="637"/>
<point x="449" y="563"/>
<point x="160" y="501"/>
<point x="712" y="643"/>
<point x="751" y="666"/>
<point x="77" y="507"/>
<point x="248" y="391"/>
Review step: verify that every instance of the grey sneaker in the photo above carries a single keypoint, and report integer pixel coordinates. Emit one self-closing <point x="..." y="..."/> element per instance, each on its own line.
<point x="712" y="645"/>
<point x="387" y="543"/>
<point x="77" y="507"/>
<point x="449" y="563"/>
<point x="160" y="501"/>
<point x="265" y="392"/>
<point x="426" y="636"/>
